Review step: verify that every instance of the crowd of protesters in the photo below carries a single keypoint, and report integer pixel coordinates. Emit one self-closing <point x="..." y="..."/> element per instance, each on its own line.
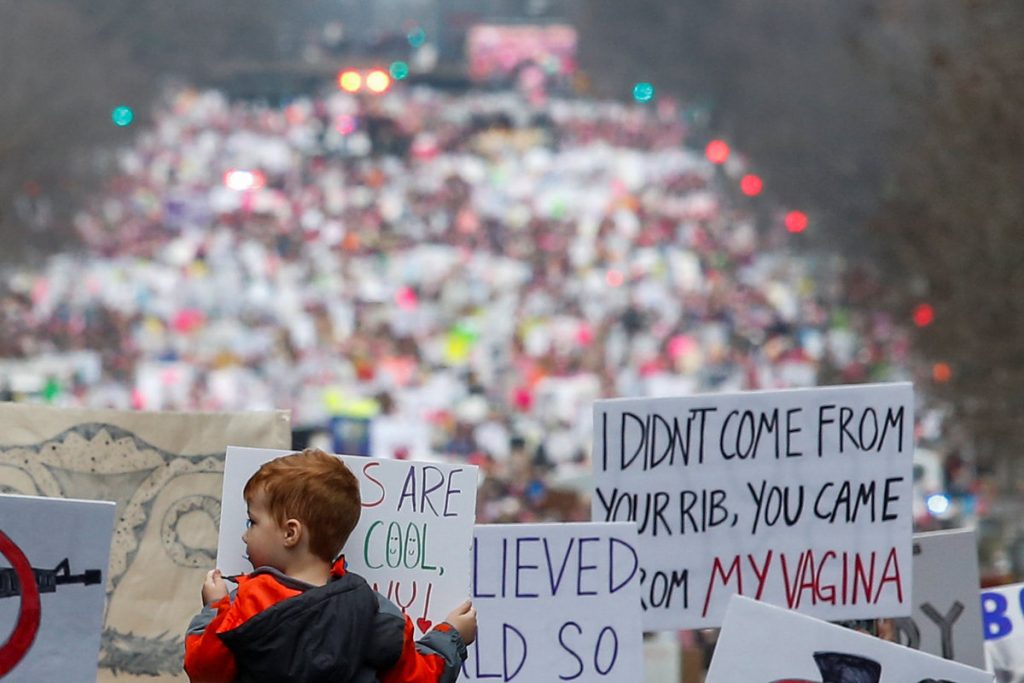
<point x="473" y="270"/>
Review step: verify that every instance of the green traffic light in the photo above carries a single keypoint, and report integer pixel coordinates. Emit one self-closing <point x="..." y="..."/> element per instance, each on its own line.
<point x="417" y="37"/>
<point x="122" y="116"/>
<point x="399" y="70"/>
<point x="643" y="92"/>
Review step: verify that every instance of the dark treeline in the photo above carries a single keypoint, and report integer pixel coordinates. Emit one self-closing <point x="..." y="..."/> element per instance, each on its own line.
<point x="67" y="64"/>
<point x="896" y="126"/>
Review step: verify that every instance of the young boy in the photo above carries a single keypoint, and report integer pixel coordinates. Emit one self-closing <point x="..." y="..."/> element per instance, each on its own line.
<point x="300" y="617"/>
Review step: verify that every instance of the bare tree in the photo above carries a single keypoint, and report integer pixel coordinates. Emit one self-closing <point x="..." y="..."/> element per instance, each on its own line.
<point x="951" y="234"/>
<point x="66" y="65"/>
<point x="783" y="81"/>
<point x="192" y="38"/>
<point x="60" y="86"/>
<point x="898" y="125"/>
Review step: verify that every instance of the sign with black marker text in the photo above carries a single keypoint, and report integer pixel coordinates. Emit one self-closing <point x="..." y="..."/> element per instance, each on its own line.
<point x="801" y="498"/>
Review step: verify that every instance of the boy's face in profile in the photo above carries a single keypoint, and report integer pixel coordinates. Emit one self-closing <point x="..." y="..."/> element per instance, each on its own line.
<point x="263" y="537"/>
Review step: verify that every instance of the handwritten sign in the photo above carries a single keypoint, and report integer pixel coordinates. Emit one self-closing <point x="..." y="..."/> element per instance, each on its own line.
<point x="54" y="556"/>
<point x="800" y="498"/>
<point x="395" y="437"/>
<point x="556" y="602"/>
<point x="413" y="539"/>
<point x="947" y="613"/>
<point x="1002" y="613"/>
<point x="761" y="643"/>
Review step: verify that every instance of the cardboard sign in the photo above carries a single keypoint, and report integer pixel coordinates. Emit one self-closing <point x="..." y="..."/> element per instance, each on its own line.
<point x="414" y="535"/>
<point x="947" y="614"/>
<point x="165" y="472"/>
<point x="1002" y="613"/>
<point x="54" y="556"/>
<point x="800" y="498"/>
<point x="556" y="602"/>
<point x="760" y="643"/>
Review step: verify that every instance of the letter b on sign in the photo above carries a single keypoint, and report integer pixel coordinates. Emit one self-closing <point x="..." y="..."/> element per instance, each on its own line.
<point x="993" y="616"/>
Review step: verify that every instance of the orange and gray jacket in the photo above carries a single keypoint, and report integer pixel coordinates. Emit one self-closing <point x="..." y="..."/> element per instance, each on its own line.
<point x="274" y="629"/>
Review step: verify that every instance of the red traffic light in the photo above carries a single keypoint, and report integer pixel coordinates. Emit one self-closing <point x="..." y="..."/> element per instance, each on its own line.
<point x="924" y="315"/>
<point x="796" y="221"/>
<point x="717" y="151"/>
<point x="751" y="185"/>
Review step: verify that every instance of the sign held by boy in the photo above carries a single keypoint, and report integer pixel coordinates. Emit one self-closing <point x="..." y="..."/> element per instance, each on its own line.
<point x="301" y="614"/>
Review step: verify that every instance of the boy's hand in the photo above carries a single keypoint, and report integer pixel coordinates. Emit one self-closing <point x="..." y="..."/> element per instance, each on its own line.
<point x="214" y="587"/>
<point x="463" y="620"/>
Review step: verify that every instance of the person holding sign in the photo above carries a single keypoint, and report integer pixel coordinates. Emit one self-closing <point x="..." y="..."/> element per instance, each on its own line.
<point x="300" y="616"/>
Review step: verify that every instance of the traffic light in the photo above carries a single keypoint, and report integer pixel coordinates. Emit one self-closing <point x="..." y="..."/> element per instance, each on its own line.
<point x="376" y="81"/>
<point x="796" y="221"/>
<point x="122" y="116"/>
<point x="751" y="185"/>
<point x="924" y="315"/>
<point x="643" y="92"/>
<point x="717" y="151"/>
<point x="350" y="80"/>
<point x="399" y="70"/>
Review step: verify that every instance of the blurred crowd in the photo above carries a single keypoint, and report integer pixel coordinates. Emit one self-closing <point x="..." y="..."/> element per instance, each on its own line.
<point x="465" y="274"/>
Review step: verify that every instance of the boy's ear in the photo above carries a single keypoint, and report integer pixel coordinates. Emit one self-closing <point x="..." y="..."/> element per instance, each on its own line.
<point x="292" y="532"/>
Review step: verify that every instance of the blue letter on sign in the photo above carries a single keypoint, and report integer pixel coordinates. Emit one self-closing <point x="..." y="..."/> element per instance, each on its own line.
<point x="993" y="614"/>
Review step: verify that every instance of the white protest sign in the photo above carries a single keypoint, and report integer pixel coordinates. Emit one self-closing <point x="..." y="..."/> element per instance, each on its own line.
<point x="395" y="437"/>
<point x="556" y="602"/>
<point x="760" y="643"/>
<point x="54" y="556"/>
<point x="414" y="535"/>
<point x="1002" y="613"/>
<point x="801" y="498"/>
<point x="947" y="613"/>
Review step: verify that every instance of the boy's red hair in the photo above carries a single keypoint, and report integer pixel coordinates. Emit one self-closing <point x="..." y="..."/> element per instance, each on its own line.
<point x="315" y="488"/>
